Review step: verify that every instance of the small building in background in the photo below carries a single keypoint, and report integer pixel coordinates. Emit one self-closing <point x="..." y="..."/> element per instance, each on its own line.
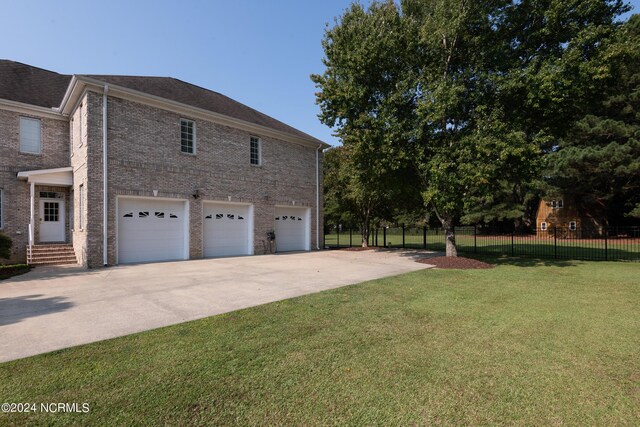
<point x="565" y="218"/>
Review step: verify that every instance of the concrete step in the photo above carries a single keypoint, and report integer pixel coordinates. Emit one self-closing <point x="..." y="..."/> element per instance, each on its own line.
<point x="51" y="254"/>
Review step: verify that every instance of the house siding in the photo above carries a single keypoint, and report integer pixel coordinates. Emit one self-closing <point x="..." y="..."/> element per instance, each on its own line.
<point x="144" y="155"/>
<point x="54" y="154"/>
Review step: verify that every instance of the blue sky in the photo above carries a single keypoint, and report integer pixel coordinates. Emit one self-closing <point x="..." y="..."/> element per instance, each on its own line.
<point x="260" y="53"/>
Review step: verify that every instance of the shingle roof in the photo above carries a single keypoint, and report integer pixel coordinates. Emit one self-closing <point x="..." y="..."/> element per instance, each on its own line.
<point x="196" y="96"/>
<point x="31" y="85"/>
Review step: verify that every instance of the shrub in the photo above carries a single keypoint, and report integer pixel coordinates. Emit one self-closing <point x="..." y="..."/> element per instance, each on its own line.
<point x="5" y="246"/>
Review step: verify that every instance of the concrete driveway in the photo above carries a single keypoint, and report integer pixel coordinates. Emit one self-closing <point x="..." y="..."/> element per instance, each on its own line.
<point x="58" y="307"/>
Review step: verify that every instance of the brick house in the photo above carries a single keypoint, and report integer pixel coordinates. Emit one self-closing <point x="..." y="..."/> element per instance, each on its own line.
<point x="189" y="173"/>
<point x="563" y="217"/>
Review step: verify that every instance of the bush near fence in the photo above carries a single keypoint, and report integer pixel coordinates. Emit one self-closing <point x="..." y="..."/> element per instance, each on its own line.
<point x="604" y="243"/>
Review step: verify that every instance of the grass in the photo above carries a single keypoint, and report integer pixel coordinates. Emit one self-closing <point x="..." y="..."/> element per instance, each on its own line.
<point x="7" y="271"/>
<point x="527" y="343"/>
<point x="617" y="249"/>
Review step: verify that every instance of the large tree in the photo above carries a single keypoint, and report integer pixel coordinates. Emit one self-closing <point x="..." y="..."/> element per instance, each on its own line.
<point x="471" y="93"/>
<point x="597" y="162"/>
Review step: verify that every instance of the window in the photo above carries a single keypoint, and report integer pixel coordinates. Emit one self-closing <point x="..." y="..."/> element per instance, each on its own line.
<point x="81" y="138"/>
<point x="543" y="226"/>
<point x="556" y="204"/>
<point x="81" y="207"/>
<point x="1" y="204"/>
<point x="71" y="136"/>
<point x="573" y="225"/>
<point x="30" y="135"/>
<point x="187" y="136"/>
<point x="255" y="151"/>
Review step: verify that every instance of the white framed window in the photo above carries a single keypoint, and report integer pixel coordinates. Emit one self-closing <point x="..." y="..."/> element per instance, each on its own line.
<point x="573" y="225"/>
<point x="81" y="207"/>
<point x="1" y="207"/>
<point x="187" y="136"/>
<point x="30" y="135"/>
<point x="255" y="151"/>
<point x="543" y="226"/>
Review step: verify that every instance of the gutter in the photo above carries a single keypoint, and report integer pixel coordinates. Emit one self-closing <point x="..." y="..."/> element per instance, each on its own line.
<point x="318" y="196"/>
<point x="104" y="175"/>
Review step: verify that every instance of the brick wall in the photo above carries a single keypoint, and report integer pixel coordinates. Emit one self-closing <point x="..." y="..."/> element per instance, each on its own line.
<point x="54" y="154"/>
<point x="144" y="155"/>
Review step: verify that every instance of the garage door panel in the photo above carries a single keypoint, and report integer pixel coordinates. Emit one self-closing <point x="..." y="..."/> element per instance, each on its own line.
<point x="292" y="229"/>
<point x="227" y="229"/>
<point x="151" y="230"/>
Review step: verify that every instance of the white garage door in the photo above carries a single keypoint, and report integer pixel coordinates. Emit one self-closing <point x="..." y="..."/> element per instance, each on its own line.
<point x="292" y="229"/>
<point x="227" y="229"/>
<point x="151" y="230"/>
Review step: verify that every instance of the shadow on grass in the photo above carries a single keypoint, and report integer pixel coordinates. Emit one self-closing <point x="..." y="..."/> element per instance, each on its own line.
<point x="522" y="261"/>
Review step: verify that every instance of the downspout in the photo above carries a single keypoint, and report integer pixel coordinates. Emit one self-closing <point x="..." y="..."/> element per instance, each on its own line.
<point x="318" y="197"/>
<point x="104" y="176"/>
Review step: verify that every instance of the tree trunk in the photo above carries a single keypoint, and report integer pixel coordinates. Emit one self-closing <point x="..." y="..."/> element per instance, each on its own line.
<point x="450" y="239"/>
<point x="365" y="237"/>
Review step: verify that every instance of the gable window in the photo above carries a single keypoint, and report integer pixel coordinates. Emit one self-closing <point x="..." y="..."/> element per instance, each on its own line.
<point x="543" y="226"/>
<point x="30" y="135"/>
<point x="556" y="204"/>
<point x="573" y="225"/>
<point x="255" y="151"/>
<point x="187" y="136"/>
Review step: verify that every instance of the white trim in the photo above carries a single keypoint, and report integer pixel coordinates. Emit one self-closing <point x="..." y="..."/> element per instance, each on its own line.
<point x="543" y="226"/>
<point x="573" y="227"/>
<point x="183" y="109"/>
<point x="60" y="176"/>
<point x="22" y="108"/>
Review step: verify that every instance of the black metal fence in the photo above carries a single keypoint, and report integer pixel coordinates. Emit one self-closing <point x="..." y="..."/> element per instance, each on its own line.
<point x="604" y="243"/>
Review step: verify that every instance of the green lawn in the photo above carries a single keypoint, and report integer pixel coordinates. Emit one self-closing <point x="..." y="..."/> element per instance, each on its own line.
<point x="527" y="343"/>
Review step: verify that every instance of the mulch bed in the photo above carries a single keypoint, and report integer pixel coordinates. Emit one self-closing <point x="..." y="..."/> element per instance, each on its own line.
<point x="7" y="271"/>
<point x="455" y="263"/>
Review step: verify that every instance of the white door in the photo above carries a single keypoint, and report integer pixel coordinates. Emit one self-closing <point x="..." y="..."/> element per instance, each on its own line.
<point x="52" y="220"/>
<point x="151" y="230"/>
<point x="227" y="229"/>
<point x="292" y="229"/>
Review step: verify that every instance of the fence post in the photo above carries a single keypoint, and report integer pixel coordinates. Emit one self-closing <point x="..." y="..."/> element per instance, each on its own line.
<point x="424" y="237"/>
<point x="338" y="233"/>
<point x="606" y="249"/>
<point x="475" y="239"/>
<point x="403" y="235"/>
<point x="350" y="236"/>
<point x="555" y="242"/>
<point x="376" y="237"/>
<point x="384" y="236"/>
<point x="512" y="250"/>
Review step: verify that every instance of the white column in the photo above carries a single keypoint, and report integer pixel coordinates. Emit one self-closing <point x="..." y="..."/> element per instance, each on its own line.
<point x="32" y="215"/>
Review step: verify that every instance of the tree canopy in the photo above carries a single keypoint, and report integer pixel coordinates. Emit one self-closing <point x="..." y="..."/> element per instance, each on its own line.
<point x="471" y="96"/>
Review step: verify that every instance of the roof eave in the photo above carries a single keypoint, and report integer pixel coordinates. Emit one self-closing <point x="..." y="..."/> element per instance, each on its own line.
<point x="79" y="83"/>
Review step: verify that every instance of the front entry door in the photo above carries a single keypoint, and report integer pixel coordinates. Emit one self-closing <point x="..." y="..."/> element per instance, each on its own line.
<point x="52" y="220"/>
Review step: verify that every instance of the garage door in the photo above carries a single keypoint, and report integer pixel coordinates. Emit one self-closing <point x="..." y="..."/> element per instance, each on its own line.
<point x="292" y="229"/>
<point x="227" y="229"/>
<point x="151" y="230"/>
